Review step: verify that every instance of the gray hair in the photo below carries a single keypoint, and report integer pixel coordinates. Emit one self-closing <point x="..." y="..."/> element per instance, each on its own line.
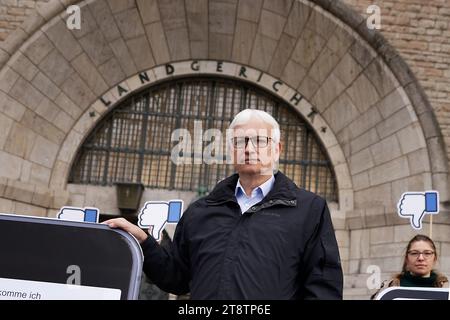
<point x="245" y="115"/>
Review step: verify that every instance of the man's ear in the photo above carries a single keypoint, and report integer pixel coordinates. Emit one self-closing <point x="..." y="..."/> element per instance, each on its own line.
<point x="278" y="148"/>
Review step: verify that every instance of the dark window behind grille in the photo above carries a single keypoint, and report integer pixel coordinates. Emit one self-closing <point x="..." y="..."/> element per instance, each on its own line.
<point x="133" y="142"/>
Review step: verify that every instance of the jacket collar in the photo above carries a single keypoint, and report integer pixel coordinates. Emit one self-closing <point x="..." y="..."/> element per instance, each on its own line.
<point x="283" y="190"/>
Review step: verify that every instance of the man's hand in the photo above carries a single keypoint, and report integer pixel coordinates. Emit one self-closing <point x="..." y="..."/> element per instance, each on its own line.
<point x="127" y="226"/>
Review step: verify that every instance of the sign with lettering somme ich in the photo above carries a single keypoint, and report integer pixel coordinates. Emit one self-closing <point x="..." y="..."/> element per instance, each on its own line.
<point x="50" y="259"/>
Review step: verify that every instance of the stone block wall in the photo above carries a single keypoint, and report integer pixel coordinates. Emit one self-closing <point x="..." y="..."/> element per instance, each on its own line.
<point x="420" y="31"/>
<point x="14" y="12"/>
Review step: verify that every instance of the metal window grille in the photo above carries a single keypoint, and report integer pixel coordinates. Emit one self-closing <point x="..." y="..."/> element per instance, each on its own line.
<point x="133" y="142"/>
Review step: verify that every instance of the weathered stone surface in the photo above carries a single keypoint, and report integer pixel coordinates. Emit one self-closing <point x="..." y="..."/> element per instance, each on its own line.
<point x="373" y="196"/>
<point x="308" y="87"/>
<point x="389" y="171"/>
<point x="56" y="67"/>
<point x="19" y="191"/>
<point x="340" y="42"/>
<point x="359" y="244"/>
<point x="411" y="138"/>
<point x="418" y="161"/>
<point x="347" y="70"/>
<point x="158" y="43"/>
<point x="33" y="97"/>
<point x="361" y="53"/>
<point x="172" y="14"/>
<point x="319" y="23"/>
<point x="46" y="86"/>
<point x="149" y="11"/>
<point x="330" y="93"/>
<point x="29" y="210"/>
<point x="39" y="175"/>
<point x="96" y="47"/>
<point x="75" y="88"/>
<point x="23" y="66"/>
<point x="363" y="93"/>
<point x="220" y="46"/>
<point x="6" y="206"/>
<point x="361" y="161"/>
<point x="11" y="166"/>
<point x="380" y="77"/>
<point x="124" y="57"/>
<point x="42" y="197"/>
<point x="364" y="122"/>
<point x="340" y="113"/>
<point x="42" y="127"/>
<point x="11" y="107"/>
<point x="249" y="10"/>
<point x="5" y="126"/>
<point x="360" y="181"/>
<point x="293" y="74"/>
<point x="178" y="43"/>
<point x="243" y="40"/>
<point x="199" y="49"/>
<point x="385" y="150"/>
<point x="271" y="25"/>
<point x="63" y="40"/>
<point x="392" y="103"/>
<point x="88" y="23"/>
<point x="68" y="106"/>
<point x="222" y="17"/>
<point x="105" y="20"/>
<point x="382" y="235"/>
<point x="388" y="250"/>
<point x="297" y="19"/>
<point x="38" y="49"/>
<point x="263" y="50"/>
<point x="308" y="47"/>
<point x="47" y="110"/>
<point x="397" y="121"/>
<point x="111" y="72"/>
<point x="63" y="121"/>
<point x="120" y="5"/>
<point x="282" y="54"/>
<point x="365" y="140"/>
<point x="129" y="23"/>
<point x="88" y="72"/>
<point x="7" y="79"/>
<point x="281" y="7"/>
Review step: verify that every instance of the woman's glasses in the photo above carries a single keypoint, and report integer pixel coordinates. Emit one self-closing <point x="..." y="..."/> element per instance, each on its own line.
<point x="427" y="254"/>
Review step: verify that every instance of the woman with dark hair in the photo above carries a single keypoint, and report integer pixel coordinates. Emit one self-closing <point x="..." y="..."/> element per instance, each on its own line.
<point x="418" y="266"/>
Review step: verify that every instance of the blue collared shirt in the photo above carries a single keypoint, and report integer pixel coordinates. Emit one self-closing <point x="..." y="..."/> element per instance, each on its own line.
<point x="246" y="202"/>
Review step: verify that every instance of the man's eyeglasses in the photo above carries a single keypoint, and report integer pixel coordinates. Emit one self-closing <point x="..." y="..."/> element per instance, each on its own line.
<point x="257" y="141"/>
<point x="426" y="254"/>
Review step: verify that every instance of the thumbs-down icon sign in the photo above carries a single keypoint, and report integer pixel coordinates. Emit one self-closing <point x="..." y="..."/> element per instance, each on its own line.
<point x="415" y="205"/>
<point x="155" y="214"/>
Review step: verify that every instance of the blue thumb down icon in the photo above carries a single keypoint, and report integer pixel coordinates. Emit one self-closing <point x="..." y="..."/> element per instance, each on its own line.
<point x="79" y="214"/>
<point x="175" y="208"/>
<point x="416" y="204"/>
<point x="155" y="214"/>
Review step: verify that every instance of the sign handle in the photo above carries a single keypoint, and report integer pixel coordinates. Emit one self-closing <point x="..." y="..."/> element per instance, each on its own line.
<point x="431" y="226"/>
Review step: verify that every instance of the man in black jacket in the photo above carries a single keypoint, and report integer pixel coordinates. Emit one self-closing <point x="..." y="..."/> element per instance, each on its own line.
<point x="255" y="236"/>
